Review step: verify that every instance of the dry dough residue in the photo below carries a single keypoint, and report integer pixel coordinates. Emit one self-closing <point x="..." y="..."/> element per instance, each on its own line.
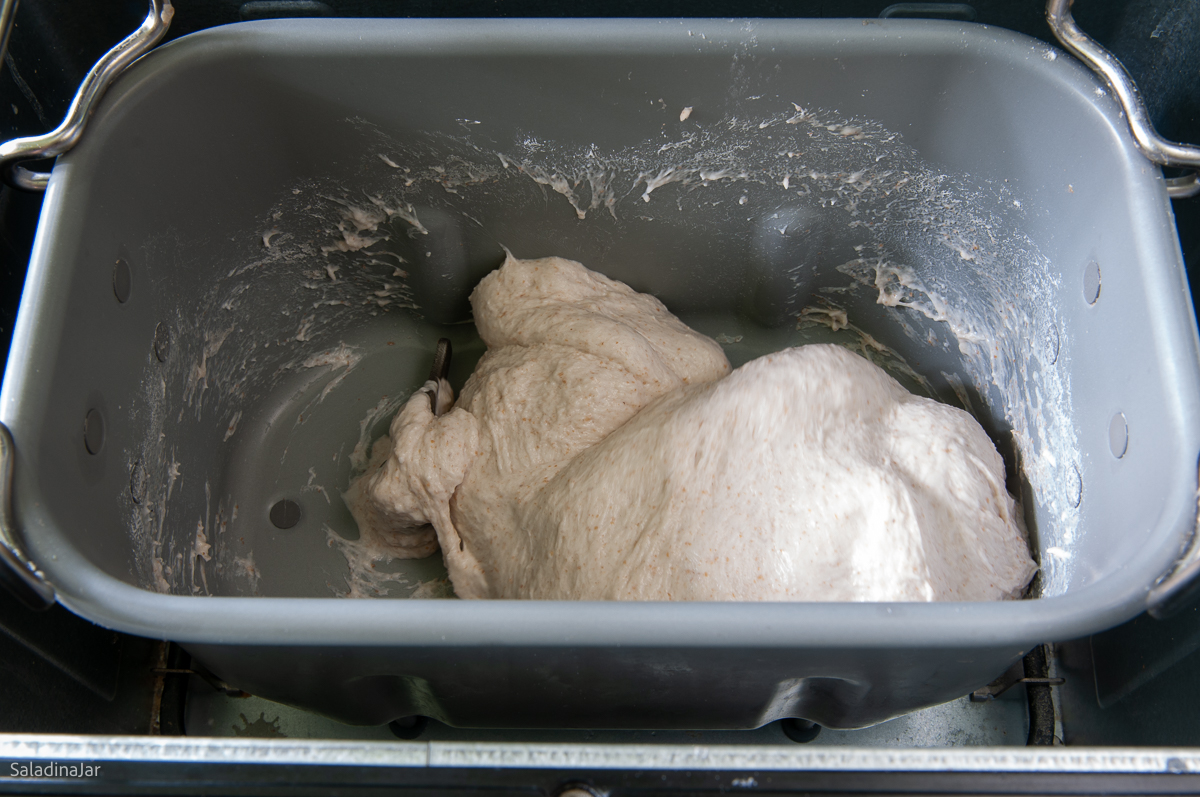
<point x="366" y="579"/>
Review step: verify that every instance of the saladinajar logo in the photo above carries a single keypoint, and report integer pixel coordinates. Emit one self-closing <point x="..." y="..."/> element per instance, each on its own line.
<point x="52" y="769"/>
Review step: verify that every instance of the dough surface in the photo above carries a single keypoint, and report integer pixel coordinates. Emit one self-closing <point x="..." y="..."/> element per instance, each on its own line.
<point x="603" y="450"/>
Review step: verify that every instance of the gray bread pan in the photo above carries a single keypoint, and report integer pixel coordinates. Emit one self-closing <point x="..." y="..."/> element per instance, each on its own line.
<point x="246" y="264"/>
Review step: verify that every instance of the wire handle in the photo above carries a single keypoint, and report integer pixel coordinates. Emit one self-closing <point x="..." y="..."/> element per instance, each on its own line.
<point x="1105" y="64"/>
<point x="67" y="134"/>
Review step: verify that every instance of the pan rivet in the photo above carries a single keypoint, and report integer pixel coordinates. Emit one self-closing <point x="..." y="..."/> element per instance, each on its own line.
<point x="1118" y="435"/>
<point x="162" y="343"/>
<point x="122" y="281"/>
<point x="1091" y="282"/>
<point x="137" y="482"/>
<point x="93" y="431"/>
<point x="285" y="514"/>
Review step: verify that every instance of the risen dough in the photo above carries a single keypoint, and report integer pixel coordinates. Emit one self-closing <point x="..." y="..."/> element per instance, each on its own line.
<point x="602" y="450"/>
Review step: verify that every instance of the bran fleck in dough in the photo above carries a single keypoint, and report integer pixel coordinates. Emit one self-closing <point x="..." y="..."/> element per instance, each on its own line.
<point x="603" y="450"/>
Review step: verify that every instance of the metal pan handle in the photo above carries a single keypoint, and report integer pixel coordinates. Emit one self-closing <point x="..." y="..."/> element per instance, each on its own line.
<point x="21" y="576"/>
<point x="67" y="134"/>
<point x="1105" y="64"/>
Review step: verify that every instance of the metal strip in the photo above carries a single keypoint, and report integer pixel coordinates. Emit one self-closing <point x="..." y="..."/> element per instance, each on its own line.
<point x="594" y="756"/>
<point x="679" y="757"/>
<point x="189" y="749"/>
